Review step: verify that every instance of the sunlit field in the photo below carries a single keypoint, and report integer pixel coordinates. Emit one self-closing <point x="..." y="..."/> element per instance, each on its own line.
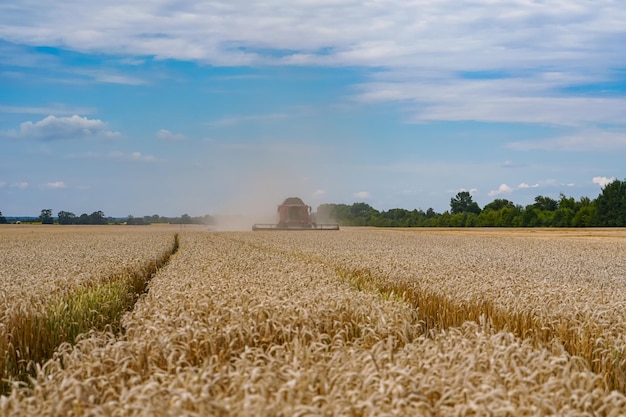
<point x="359" y="322"/>
<point x="59" y="281"/>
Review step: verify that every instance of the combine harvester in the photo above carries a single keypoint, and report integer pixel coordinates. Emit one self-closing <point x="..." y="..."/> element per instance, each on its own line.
<point x="293" y="214"/>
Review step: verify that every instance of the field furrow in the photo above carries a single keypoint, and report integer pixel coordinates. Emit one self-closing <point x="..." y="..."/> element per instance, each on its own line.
<point x="260" y="325"/>
<point x="63" y="282"/>
<point x="538" y="287"/>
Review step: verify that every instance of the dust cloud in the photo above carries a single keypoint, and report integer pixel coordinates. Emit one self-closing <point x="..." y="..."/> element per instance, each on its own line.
<point x="248" y="181"/>
<point x="256" y="199"/>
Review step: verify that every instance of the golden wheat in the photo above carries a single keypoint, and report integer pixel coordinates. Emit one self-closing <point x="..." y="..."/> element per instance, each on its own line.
<point x="534" y="284"/>
<point x="36" y="264"/>
<point x="58" y="282"/>
<point x="261" y="325"/>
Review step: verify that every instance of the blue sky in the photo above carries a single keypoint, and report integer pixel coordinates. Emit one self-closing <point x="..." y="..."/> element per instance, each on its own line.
<point x="172" y="107"/>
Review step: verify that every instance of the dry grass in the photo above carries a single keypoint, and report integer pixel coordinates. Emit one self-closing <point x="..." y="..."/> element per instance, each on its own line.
<point x="260" y="324"/>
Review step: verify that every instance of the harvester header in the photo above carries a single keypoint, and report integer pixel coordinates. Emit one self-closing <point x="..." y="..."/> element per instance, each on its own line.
<point x="293" y="214"/>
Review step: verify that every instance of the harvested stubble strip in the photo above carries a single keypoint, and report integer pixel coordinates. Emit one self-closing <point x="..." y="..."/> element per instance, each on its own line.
<point x="229" y="329"/>
<point x="539" y="288"/>
<point x="30" y="336"/>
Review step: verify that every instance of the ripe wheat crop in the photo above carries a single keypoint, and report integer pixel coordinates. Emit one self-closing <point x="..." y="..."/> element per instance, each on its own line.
<point x="58" y="282"/>
<point x="568" y="285"/>
<point x="304" y="324"/>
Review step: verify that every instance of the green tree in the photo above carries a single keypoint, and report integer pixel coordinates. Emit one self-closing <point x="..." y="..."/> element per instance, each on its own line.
<point x="530" y="217"/>
<point x="498" y="213"/>
<point x="135" y="221"/>
<point x="362" y="210"/>
<point x="430" y="213"/>
<point x="585" y="213"/>
<point x="329" y="213"/>
<point x="511" y="216"/>
<point x="567" y="202"/>
<point x="564" y="214"/>
<point x="546" y="217"/>
<point x="470" y="219"/>
<point x="463" y="203"/>
<point x="546" y="203"/>
<point x="396" y="217"/>
<point x="66" y="217"/>
<point x="442" y="220"/>
<point x="498" y="204"/>
<point x="611" y="205"/>
<point x="97" y="217"/>
<point x="357" y="214"/>
<point x="456" y="220"/>
<point x="585" y="216"/>
<point x="46" y="216"/>
<point x="3" y="220"/>
<point x="563" y="217"/>
<point x="488" y="218"/>
<point x="362" y="214"/>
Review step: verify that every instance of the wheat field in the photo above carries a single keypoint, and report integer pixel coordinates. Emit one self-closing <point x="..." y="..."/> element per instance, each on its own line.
<point x="58" y="282"/>
<point x="46" y="263"/>
<point x="360" y="322"/>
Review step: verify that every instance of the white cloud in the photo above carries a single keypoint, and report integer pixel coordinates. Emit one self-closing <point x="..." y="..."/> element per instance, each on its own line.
<point x="291" y="148"/>
<point x="602" y="181"/>
<point x="3" y="184"/>
<point x="502" y="189"/>
<point x="167" y="135"/>
<point x="569" y="111"/>
<point x="514" y="98"/>
<point x="51" y="109"/>
<point x="550" y="182"/>
<point x="362" y="194"/>
<point x="55" y="185"/>
<point x="19" y="55"/>
<point x="449" y="60"/>
<point x="57" y="128"/>
<point x="319" y="193"/>
<point x="227" y="32"/>
<point x="132" y="156"/>
<point x="113" y="77"/>
<point x="117" y="155"/>
<point x="505" y="189"/>
<point x="21" y="185"/>
<point x="138" y="156"/>
<point x="84" y="155"/>
<point x="236" y="120"/>
<point x="586" y="141"/>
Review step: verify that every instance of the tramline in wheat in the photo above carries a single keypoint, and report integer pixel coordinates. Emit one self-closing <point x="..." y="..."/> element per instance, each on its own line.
<point x="283" y="324"/>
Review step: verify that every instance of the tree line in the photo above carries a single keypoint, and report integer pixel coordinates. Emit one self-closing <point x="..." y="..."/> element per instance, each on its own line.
<point x="98" y="217"/>
<point x="607" y="210"/>
<point x="184" y="219"/>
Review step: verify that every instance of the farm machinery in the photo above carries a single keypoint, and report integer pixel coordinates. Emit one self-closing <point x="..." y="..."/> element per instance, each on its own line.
<point x="293" y="214"/>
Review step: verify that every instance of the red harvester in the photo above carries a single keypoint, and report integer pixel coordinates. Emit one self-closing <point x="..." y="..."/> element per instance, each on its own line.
<point x="293" y="214"/>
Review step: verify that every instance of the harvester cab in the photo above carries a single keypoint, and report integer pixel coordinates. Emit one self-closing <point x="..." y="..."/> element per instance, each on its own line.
<point x="293" y="214"/>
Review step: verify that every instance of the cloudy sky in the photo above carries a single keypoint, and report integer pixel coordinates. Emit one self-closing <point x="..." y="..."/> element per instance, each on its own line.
<point x="177" y="106"/>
